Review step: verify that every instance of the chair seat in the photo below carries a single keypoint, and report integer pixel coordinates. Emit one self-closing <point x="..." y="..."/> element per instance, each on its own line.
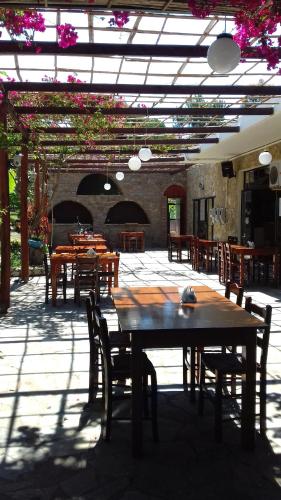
<point x="119" y="339"/>
<point x="224" y="363"/>
<point x="122" y="365"/>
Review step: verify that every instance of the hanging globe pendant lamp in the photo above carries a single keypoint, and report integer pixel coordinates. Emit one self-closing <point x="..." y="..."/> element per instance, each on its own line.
<point x="265" y="158"/>
<point x="134" y="163"/>
<point x="145" y="153"/>
<point x="224" y="54"/>
<point x="119" y="176"/>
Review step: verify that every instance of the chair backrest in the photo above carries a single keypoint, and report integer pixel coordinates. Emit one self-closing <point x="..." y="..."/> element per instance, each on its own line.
<point x="87" y="263"/>
<point x="233" y="240"/>
<point x="101" y="331"/>
<point x="263" y="313"/>
<point x="237" y="290"/>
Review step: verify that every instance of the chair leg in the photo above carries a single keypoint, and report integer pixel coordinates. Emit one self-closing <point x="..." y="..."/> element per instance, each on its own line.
<point x="47" y="292"/>
<point x="218" y="408"/>
<point x="263" y="405"/>
<point x="154" y="418"/>
<point x="201" y="390"/>
<point x="184" y="367"/>
<point x="64" y="284"/>
<point x="192" y="374"/>
<point x="93" y="373"/>
<point x="107" y="411"/>
<point x="145" y="395"/>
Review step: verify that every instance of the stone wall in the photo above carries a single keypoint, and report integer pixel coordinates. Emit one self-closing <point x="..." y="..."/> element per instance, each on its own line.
<point x="145" y="189"/>
<point x="226" y="192"/>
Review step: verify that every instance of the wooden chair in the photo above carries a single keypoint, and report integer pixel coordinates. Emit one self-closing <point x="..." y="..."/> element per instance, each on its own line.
<point x="86" y="275"/>
<point x="194" y="253"/>
<point x="117" y="367"/>
<point x="174" y="247"/>
<point x="106" y="276"/>
<point x="228" y="364"/>
<point x="118" y="341"/>
<point x="61" y="280"/>
<point x="192" y="355"/>
<point x="221" y="262"/>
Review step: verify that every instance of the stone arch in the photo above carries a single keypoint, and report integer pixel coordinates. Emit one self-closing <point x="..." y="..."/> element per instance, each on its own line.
<point x="93" y="184"/>
<point x="125" y="212"/>
<point x="175" y="191"/>
<point x="68" y="212"/>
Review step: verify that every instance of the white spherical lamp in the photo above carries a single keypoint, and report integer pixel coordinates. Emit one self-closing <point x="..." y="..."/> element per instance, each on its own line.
<point x="107" y="186"/>
<point x="265" y="158"/>
<point x="119" y="176"/>
<point x="224" y="54"/>
<point x="145" y="153"/>
<point x="134" y="163"/>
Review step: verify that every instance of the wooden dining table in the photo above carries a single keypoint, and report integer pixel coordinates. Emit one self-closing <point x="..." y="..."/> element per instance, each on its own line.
<point x="75" y="236"/>
<point x="108" y="261"/>
<point x="242" y="251"/>
<point x="155" y="318"/>
<point x="98" y="247"/>
<point x="125" y="237"/>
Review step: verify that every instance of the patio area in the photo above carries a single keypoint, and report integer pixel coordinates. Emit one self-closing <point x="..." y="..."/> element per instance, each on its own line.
<point x="51" y="447"/>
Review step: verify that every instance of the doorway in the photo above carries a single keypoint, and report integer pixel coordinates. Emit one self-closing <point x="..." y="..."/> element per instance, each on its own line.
<point x="176" y="208"/>
<point x="201" y="218"/>
<point x="260" y="219"/>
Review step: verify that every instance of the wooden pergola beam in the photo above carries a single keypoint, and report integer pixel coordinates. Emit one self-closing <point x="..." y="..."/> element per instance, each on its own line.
<point x="68" y="110"/>
<point x="117" y="161"/>
<point x="128" y="151"/>
<point x="112" y="168"/>
<point x="117" y="49"/>
<point x="147" y="130"/>
<point x="140" y="142"/>
<point x="124" y="88"/>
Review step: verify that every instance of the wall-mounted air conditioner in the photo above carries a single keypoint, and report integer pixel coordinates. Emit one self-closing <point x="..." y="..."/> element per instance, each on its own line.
<point x="275" y="175"/>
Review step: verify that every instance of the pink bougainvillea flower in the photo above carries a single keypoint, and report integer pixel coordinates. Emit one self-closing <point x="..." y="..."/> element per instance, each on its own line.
<point x="120" y="18"/>
<point x="67" y="35"/>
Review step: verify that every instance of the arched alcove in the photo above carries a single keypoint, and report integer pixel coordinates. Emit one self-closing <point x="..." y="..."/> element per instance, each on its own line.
<point x="93" y="184"/>
<point x="67" y="212"/>
<point x="126" y="212"/>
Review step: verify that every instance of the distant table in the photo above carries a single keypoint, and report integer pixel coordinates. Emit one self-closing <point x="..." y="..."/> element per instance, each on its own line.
<point x="108" y="261"/>
<point x="75" y="236"/>
<point x="125" y="237"/>
<point x="98" y="247"/>
<point x="241" y="251"/>
<point x="155" y="318"/>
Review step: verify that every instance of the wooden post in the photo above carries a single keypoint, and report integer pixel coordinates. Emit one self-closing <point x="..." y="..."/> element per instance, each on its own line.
<point x="5" y="221"/>
<point x="37" y="187"/>
<point x="23" y="214"/>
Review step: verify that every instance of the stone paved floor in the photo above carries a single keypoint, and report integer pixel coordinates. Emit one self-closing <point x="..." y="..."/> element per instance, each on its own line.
<point x="50" y="447"/>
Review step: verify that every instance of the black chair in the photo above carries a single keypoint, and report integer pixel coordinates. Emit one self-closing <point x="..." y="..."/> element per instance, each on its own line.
<point x="118" y="341"/>
<point x="61" y="279"/>
<point x="117" y="367"/>
<point x="229" y="364"/>
<point x="192" y="355"/>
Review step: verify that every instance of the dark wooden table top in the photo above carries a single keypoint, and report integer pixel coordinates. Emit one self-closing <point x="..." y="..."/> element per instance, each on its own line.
<point x="159" y="309"/>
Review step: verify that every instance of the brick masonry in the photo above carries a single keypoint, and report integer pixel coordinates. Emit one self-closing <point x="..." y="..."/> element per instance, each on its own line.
<point x="145" y="189"/>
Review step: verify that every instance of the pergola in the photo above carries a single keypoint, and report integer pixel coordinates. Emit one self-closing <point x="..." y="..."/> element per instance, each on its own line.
<point x="156" y="63"/>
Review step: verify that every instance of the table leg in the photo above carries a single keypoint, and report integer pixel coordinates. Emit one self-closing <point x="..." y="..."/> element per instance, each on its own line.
<point x="54" y="285"/>
<point x="136" y="400"/>
<point x="249" y="397"/>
